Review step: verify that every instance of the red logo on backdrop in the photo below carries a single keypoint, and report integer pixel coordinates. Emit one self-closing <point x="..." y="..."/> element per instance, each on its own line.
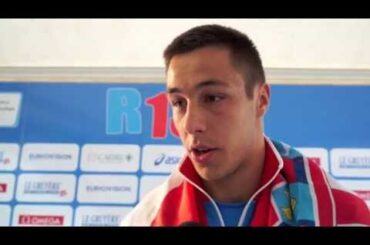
<point x="3" y="187"/>
<point x="54" y="220"/>
<point x="364" y="194"/>
<point x="315" y="160"/>
<point x="63" y="193"/>
<point x="5" y="161"/>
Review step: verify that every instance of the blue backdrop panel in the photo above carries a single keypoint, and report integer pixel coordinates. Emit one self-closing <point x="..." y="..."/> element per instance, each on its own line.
<point x="321" y="116"/>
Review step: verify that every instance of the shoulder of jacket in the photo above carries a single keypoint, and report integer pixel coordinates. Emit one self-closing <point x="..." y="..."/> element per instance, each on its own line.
<point x="146" y="210"/>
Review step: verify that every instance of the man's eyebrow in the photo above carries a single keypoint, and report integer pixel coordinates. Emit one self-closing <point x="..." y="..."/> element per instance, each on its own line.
<point x="173" y="90"/>
<point x="199" y="86"/>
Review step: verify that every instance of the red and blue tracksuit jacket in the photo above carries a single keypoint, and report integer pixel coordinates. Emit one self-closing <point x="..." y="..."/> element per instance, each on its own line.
<point x="294" y="191"/>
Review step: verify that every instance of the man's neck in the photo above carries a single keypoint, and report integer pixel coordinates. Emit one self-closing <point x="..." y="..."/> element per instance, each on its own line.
<point x="243" y="183"/>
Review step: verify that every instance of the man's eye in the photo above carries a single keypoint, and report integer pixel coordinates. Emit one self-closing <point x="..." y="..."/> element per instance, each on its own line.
<point x="178" y="103"/>
<point x="213" y="98"/>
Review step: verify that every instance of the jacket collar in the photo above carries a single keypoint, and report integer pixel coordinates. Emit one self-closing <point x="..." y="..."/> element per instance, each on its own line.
<point x="273" y="164"/>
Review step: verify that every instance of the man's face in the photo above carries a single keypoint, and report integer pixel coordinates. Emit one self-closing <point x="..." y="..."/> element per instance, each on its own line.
<point x="217" y="123"/>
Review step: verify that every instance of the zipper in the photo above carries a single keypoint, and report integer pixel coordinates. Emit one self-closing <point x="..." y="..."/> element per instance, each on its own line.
<point x="280" y="166"/>
<point x="247" y="206"/>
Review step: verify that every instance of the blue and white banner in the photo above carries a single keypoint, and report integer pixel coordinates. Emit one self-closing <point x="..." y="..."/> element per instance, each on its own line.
<point x="84" y="154"/>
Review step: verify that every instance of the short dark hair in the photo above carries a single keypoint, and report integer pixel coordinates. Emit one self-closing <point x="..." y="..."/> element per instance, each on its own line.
<point x="244" y="53"/>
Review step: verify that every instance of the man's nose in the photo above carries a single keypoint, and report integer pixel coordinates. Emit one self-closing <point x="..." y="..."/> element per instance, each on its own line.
<point x="194" y="120"/>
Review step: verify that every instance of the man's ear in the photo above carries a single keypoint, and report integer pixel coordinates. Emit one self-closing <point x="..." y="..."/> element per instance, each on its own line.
<point x="263" y="99"/>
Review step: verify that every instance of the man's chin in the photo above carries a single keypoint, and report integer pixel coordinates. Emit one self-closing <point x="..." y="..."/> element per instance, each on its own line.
<point x="209" y="175"/>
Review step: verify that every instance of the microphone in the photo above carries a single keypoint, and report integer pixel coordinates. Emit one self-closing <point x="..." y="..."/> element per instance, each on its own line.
<point x="190" y="224"/>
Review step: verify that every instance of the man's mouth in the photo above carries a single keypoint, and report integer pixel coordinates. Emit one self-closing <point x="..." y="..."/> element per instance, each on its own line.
<point x="202" y="154"/>
<point x="200" y="151"/>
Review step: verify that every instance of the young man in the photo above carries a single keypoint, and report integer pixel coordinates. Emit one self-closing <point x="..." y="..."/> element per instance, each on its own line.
<point x="233" y="175"/>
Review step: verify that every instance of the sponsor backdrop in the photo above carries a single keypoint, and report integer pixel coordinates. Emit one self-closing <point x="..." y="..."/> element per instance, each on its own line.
<point x="79" y="154"/>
